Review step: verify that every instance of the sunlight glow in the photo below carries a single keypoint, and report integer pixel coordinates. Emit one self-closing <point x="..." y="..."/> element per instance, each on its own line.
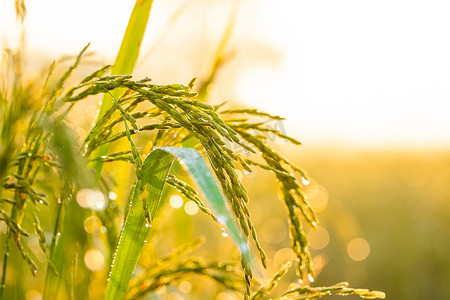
<point x="331" y="68"/>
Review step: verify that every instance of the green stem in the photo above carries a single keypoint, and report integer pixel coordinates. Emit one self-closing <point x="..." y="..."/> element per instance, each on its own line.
<point x="56" y="228"/>
<point x="5" y="262"/>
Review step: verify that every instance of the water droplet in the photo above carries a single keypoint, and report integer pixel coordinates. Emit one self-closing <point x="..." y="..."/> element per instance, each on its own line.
<point x="310" y="278"/>
<point x="300" y="281"/>
<point x="29" y="154"/>
<point x="244" y="150"/>
<point x="246" y="172"/>
<point x="103" y="157"/>
<point x="305" y="181"/>
<point x="41" y="202"/>
<point x="224" y="233"/>
<point x="314" y="223"/>
<point x="148" y="225"/>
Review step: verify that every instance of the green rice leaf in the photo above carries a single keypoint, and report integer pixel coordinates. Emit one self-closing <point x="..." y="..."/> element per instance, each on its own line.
<point x="125" y="62"/>
<point x="145" y="202"/>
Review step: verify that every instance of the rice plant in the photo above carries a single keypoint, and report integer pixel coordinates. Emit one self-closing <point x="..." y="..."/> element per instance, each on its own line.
<point x="43" y="166"/>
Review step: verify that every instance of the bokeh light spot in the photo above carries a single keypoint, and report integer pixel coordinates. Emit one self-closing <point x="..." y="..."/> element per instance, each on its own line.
<point x="282" y="256"/>
<point x="358" y="249"/>
<point x="93" y="199"/>
<point x="176" y="201"/>
<point x="318" y="238"/>
<point x="94" y="260"/>
<point x="92" y="223"/>
<point x="191" y="208"/>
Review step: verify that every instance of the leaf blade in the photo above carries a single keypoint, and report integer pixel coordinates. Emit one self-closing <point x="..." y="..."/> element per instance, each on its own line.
<point x="155" y="170"/>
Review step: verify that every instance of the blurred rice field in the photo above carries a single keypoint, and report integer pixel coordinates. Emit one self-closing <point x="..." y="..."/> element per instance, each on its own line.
<point x="396" y="201"/>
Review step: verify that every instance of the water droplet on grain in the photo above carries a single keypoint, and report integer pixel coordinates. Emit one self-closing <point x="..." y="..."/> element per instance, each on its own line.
<point x="224" y="233"/>
<point x="246" y="172"/>
<point x="310" y="278"/>
<point x="305" y="181"/>
<point x="244" y="150"/>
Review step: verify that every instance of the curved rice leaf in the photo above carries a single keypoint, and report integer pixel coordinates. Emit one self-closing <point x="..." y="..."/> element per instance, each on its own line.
<point x="155" y="170"/>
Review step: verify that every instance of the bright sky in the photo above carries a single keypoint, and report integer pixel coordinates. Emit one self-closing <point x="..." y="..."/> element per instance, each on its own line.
<point x="359" y="72"/>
